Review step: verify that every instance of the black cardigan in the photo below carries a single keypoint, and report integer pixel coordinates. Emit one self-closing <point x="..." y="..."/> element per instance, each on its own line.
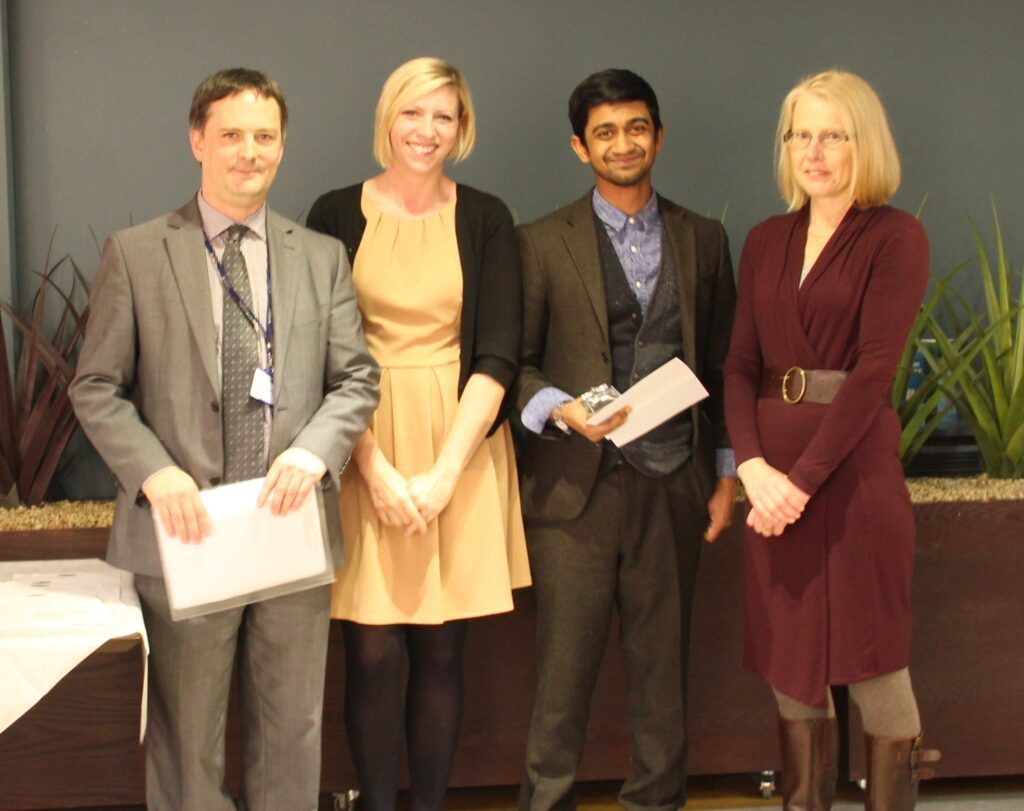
<point x="491" y="275"/>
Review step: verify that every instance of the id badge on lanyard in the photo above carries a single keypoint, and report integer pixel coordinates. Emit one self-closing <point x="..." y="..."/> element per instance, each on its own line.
<point x="262" y="386"/>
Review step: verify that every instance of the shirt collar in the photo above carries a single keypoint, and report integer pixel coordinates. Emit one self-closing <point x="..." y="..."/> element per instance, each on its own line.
<point x="616" y="219"/>
<point x="217" y="222"/>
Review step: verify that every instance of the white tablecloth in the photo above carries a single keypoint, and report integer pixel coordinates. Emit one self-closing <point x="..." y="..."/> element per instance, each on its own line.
<point x="47" y="628"/>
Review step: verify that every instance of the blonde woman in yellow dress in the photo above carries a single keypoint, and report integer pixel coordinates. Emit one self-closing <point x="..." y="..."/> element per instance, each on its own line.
<point x="430" y="506"/>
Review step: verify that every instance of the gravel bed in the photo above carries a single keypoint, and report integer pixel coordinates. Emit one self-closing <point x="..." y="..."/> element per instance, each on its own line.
<point x="80" y="514"/>
<point x="974" y="488"/>
<point x="57" y="515"/>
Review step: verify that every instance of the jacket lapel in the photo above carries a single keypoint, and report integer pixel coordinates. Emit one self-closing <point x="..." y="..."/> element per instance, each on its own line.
<point x="187" y="254"/>
<point x="683" y="243"/>
<point x="285" y="261"/>
<point x="580" y="239"/>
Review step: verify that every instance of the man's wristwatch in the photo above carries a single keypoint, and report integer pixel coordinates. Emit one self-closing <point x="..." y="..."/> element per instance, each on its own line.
<point x="556" y="418"/>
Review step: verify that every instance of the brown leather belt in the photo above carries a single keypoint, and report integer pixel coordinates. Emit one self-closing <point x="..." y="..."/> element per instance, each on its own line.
<point x="796" y="385"/>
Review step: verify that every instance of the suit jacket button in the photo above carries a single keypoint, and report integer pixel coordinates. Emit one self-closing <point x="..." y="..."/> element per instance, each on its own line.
<point x="215" y="406"/>
<point x="214" y="481"/>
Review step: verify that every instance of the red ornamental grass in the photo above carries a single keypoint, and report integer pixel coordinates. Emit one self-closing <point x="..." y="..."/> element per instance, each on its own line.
<point x="36" y="418"/>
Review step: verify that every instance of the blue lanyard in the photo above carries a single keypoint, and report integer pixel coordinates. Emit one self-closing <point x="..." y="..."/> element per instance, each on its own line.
<point x="266" y="333"/>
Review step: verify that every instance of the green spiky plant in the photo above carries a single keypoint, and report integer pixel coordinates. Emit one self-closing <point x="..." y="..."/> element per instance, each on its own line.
<point x="36" y="418"/>
<point x="922" y="409"/>
<point x="976" y="358"/>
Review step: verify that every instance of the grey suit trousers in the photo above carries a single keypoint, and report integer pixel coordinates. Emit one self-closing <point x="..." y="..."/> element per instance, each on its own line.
<point x="282" y="647"/>
<point x="635" y="548"/>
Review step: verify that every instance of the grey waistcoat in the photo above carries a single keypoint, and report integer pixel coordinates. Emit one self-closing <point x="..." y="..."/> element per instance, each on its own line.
<point x="639" y="345"/>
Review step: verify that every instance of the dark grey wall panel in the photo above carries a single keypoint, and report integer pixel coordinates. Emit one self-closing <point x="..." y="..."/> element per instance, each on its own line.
<point x="101" y="88"/>
<point x="7" y="276"/>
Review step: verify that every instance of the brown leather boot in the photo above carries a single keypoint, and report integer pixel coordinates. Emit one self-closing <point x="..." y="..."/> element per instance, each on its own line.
<point x="810" y="763"/>
<point x="894" y="771"/>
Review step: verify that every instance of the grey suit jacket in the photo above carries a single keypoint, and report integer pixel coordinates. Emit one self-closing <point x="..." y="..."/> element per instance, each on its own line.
<point x="565" y="341"/>
<point x="147" y="388"/>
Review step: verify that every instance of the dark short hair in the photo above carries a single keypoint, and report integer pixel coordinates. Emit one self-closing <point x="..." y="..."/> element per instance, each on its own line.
<point x="603" y="87"/>
<point x="228" y="82"/>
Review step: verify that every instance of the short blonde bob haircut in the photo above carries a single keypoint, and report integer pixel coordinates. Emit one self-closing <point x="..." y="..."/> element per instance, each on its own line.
<point x="411" y="81"/>
<point x="876" y="165"/>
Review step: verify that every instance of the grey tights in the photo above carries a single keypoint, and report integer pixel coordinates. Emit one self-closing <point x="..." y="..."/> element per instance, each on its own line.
<point x="886" y="703"/>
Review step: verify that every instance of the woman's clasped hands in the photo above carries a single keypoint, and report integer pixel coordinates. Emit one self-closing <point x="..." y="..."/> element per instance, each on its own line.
<point x="431" y="491"/>
<point x="775" y="502"/>
<point x="407" y="503"/>
<point x="389" y="492"/>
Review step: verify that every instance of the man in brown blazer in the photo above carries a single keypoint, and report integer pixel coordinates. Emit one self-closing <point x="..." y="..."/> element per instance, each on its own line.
<point x="615" y="285"/>
<point x="187" y="309"/>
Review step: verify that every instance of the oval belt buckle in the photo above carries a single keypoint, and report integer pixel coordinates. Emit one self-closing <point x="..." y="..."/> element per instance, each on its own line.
<point x="785" y="385"/>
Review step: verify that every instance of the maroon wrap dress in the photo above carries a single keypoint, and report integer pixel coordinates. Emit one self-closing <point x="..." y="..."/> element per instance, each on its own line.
<point x="828" y="601"/>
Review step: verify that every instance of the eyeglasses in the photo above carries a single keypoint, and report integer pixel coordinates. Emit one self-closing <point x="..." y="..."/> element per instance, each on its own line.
<point x="800" y="140"/>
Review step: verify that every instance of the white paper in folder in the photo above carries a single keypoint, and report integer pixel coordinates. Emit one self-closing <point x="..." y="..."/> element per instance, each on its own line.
<point x="661" y="395"/>
<point x="251" y="555"/>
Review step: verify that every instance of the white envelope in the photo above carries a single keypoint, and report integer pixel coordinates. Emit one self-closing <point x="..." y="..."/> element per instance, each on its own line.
<point x="251" y="554"/>
<point x="666" y="391"/>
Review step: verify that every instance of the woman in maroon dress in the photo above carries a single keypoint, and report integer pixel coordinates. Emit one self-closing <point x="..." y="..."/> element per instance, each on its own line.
<point x="827" y="296"/>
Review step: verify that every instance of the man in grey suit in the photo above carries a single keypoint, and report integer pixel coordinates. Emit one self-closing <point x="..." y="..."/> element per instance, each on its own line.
<point x="615" y="285"/>
<point x="225" y="344"/>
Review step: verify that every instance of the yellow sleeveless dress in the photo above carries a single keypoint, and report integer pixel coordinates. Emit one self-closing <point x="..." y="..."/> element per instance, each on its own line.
<point x="408" y="282"/>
